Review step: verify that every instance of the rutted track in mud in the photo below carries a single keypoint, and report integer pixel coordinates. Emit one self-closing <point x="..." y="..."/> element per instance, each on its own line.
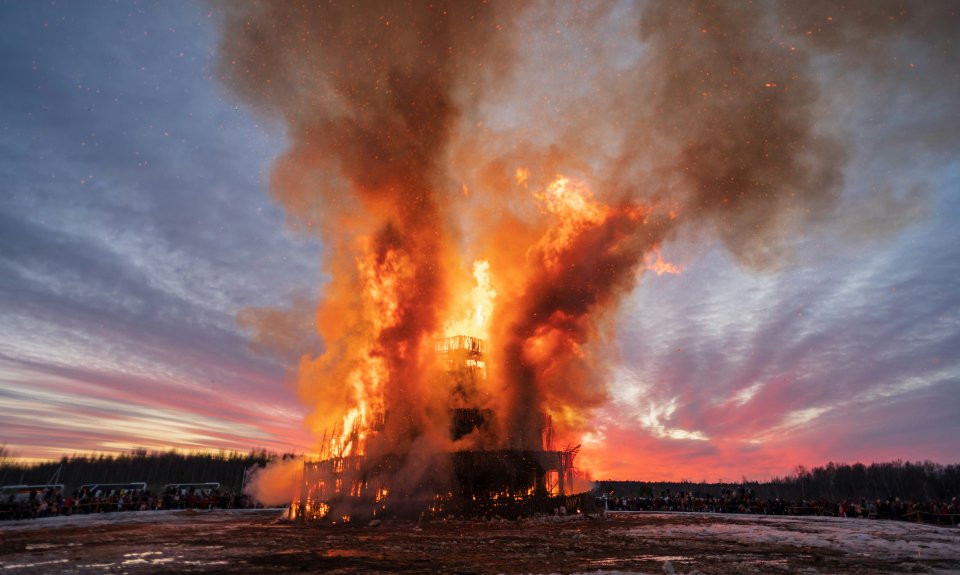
<point x="258" y="541"/>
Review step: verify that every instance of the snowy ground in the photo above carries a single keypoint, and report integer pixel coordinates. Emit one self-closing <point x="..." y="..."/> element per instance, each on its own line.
<point x="621" y="543"/>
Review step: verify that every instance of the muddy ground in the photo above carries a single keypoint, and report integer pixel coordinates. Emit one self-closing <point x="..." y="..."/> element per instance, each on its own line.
<point x="259" y="541"/>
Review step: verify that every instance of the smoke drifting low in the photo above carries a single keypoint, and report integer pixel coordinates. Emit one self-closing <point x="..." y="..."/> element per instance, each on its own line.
<point x="277" y="484"/>
<point x="563" y="145"/>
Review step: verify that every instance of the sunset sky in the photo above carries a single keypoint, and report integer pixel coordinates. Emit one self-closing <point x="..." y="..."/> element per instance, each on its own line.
<point x="136" y="225"/>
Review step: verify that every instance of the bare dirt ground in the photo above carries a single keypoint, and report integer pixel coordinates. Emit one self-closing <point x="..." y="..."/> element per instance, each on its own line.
<point x="259" y="541"/>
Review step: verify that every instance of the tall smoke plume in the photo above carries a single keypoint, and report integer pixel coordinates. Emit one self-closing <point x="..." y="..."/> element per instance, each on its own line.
<point x="427" y="136"/>
<point x="369" y="97"/>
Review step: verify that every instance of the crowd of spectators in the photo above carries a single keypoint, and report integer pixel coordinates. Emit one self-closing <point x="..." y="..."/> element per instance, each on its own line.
<point x="48" y="501"/>
<point x="743" y="501"/>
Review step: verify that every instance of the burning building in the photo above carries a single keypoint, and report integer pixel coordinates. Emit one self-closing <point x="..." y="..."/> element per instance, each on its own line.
<point x="426" y="395"/>
<point x="469" y="482"/>
<point x="422" y="139"/>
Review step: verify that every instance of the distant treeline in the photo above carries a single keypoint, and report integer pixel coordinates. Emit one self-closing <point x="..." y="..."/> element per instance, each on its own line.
<point x="920" y="481"/>
<point x="156" y="468"/>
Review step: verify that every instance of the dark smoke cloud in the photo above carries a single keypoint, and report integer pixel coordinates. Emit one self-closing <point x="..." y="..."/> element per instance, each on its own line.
<point x="720" y="117"/>
<point x="744" y="101"/>
<point x="367" y="92"/>
<point x="717" y="122"/>
<point x="726" y="118"/>
<point x="871" y="32"/>
<point x="898" y="60"/>
<point x="739" y="109"/>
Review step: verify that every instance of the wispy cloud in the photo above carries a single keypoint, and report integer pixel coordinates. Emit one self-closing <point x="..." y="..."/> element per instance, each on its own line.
<point x="133" y="228"/>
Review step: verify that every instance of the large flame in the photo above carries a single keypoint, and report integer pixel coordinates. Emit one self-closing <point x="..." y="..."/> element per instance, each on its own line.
<point x="437" y="225"/>
<point x="477" y="309"/>
<point x="544" y="329"/>
<point x="549" y="353"/>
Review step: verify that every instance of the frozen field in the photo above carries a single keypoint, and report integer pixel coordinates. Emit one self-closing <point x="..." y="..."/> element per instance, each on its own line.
<point x="258" y="541"/>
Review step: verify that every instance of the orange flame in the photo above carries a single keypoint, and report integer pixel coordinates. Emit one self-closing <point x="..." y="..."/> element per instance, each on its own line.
<point x="474" y="317"/>
<point x="655" y="263"/>
<point x="544" y="332"/>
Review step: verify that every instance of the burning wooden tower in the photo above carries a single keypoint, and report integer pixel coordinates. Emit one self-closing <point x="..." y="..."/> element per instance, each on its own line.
<point x="471" y="482"/>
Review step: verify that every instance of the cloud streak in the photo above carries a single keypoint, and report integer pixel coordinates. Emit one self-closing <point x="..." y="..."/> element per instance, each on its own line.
<point x="126" y="253"/>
